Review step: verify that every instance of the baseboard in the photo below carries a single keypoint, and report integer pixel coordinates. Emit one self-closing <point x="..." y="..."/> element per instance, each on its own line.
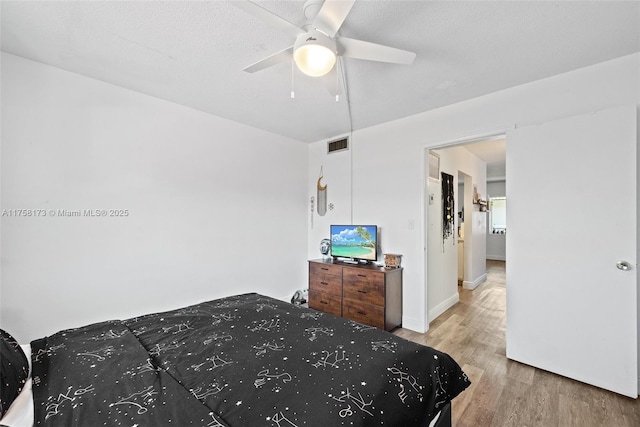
<point x="497" y="257"/>
<point x="413" y="324"/>
<point x="443" y="306"/>
<point x="472" y="285"/>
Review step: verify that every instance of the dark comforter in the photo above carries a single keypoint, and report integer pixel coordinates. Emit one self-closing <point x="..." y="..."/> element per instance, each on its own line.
<point x="246" y="360"/>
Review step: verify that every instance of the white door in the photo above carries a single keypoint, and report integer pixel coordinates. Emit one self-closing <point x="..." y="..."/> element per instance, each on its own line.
<point x="571" y="189"/>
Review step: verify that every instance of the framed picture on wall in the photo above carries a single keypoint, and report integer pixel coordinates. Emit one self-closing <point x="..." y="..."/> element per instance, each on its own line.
<point x="434" y="166"/>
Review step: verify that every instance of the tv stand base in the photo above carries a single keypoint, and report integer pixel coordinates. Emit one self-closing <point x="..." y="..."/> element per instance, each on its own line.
<point x="352" y="261"/>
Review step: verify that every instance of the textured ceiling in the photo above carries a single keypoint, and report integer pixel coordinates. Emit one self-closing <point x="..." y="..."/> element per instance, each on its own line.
<point x="193" y="53"/>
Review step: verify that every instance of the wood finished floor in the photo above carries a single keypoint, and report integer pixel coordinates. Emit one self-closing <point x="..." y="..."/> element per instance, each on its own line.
<point x="508" y="393"/>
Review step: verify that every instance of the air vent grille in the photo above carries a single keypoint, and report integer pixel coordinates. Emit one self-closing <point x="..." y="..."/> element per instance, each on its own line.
<point x="338" y="145"/>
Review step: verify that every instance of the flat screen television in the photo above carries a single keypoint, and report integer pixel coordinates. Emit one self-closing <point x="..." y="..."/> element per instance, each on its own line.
<point x="354" y="242"/>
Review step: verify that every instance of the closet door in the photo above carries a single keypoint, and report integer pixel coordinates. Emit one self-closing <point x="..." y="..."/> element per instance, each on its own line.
<point x="571" y="248"/>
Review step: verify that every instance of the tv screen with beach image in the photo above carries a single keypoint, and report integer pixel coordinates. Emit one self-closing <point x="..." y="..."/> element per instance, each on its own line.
<point x="354" y="241"/>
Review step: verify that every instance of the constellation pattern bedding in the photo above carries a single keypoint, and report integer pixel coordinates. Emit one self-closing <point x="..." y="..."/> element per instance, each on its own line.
<point x="246" y="360"/>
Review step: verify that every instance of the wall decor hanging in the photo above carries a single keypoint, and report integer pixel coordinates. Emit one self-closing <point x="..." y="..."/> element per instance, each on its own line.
<point x="448" y="207"/>
<point x="312" y="204"/>
<point x="322" y="196"/>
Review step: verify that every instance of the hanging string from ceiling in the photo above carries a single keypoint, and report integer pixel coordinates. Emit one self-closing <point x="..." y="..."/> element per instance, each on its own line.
<point x="293" y="73"/>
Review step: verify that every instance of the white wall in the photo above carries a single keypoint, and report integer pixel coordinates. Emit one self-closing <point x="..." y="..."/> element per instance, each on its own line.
<point x="496" y="243"/>
<point x="215" y="207"/>
<point x="382" y="192"/>
<point x="336" y="172"/>
<point x="388" y="160"/>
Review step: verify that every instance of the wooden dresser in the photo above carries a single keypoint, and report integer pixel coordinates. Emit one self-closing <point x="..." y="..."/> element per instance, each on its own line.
<point x="367" y="294"/>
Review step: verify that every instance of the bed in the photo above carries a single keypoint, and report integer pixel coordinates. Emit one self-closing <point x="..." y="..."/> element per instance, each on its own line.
<point x="244" y="360"/>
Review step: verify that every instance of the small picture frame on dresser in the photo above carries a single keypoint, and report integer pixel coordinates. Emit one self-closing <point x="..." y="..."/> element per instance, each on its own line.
<point x="392" y="260"/>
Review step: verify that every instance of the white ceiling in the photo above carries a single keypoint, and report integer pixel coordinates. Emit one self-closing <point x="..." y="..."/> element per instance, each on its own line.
<point x="193" y="53"/>
<point x="493" y="152"/>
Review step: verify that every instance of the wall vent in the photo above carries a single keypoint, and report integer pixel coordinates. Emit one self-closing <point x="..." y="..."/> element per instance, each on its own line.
<point x="338" y="145"/>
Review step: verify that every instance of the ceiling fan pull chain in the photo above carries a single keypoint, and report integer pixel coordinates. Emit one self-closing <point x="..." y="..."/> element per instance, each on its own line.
<point x="338" y="68"/>
<point x="293" y="65"/>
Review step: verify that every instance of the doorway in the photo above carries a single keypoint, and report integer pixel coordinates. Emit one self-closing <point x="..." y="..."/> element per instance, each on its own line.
<point x="459" y="260"/>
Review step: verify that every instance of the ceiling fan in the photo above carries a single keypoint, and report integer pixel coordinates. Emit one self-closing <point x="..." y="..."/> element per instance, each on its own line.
<point x="317" y="47"/>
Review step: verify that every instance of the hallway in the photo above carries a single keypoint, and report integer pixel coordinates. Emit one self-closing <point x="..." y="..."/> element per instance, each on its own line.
<point x="508" y="393"/>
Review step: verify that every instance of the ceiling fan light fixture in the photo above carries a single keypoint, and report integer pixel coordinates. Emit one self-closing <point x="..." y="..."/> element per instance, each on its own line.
<point x="314" y="53"/>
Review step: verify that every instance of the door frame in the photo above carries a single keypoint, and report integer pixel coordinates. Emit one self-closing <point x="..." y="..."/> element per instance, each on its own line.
<point x="494" y="133"/>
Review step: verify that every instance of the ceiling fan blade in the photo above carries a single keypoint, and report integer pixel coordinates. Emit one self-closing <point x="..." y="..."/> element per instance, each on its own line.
<point x="276" y="58"/>
<point x="268" y="17"/>
<point x="331" y="16"/>
<point x="360" y="49"/>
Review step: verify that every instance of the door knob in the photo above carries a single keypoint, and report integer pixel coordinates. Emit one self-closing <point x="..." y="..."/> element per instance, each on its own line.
<point x="623" y="265"/>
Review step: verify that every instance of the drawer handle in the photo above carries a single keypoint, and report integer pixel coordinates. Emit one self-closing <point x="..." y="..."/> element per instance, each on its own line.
<point x="324" y="268"/>
<point x="362" y="275"/>
<point x="323" y="302"/>
<point x="324" y="283"/>
<point x="362" y="312"/>
<point x="362" y="292"/>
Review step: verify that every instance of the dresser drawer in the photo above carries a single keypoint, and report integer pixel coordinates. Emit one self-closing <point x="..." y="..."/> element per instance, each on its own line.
<point x="325" y="278"/>
<point x="326" y="302"/>
<point x="363" y="286"/>
<point x="367" y="314"/>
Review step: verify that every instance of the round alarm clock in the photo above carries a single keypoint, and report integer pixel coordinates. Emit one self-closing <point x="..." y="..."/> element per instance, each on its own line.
<point x="325" y="247"/>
